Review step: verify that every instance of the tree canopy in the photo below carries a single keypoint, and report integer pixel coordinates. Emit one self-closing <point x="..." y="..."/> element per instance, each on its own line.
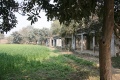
<point x="29" y="35"/>
<point x="55" y="27"/>
<point x="63" y="10"/>
<point x="8" y="19"/>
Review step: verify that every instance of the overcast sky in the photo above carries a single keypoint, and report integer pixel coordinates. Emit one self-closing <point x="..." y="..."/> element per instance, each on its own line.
<point x="23" y="22"/>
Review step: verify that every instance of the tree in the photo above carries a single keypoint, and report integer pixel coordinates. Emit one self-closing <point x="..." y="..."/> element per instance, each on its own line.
<point x="24" y="32"/>
<point x="117" y="18"/>
<point x="36" y="35"/>
<point x="16" y="37"/>
<point x="30" y="34"/>
<point x="7" y="16"/>
<point x="55" y="27"/>
<point x="43" y="34"/>
<point x="69" y="29"/>
<point x="107" y="31"/>
<point x="68" y="10"/>
<point x="27" y="34"/>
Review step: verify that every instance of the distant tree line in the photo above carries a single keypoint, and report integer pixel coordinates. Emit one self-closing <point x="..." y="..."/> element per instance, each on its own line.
<point x="29" y="35"/>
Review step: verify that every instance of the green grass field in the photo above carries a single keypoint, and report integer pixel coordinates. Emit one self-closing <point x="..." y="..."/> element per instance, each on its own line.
<point x="35" y="62"/>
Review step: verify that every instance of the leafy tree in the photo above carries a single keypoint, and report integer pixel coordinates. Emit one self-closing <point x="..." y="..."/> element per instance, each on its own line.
<point x="55" y="27"/>
<point x="24" y="34"/>
<point x="43" y="34"/>
<point x="7" y="16"/>
<point x="30" y="34"/>
<point x="16" y="37"/>
<point x="27" y="34"/>
<point x="117" y="18"/>
<point x="69" y="29"/>
<point x="36" y="35"/>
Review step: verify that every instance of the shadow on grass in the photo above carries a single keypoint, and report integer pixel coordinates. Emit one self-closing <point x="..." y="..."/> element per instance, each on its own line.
<point x="62" y="67"/>
<point x="86" y="68"/>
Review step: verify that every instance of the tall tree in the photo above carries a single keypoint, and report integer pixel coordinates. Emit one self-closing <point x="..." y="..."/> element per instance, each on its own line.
<point x="43" y="34"/>
<point x="55" y="27"/>
<point x="16" y="37"/>
<point x="107" y="31"/>
<point x="69" y="29"/>
<point x="27" y="34"/>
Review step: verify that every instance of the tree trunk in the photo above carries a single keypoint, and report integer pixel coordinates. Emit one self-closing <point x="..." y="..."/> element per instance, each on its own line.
<point x="104" y="51"/>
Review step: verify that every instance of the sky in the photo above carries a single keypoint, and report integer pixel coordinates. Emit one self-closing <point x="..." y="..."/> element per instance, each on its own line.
<point x="23" y="22"/>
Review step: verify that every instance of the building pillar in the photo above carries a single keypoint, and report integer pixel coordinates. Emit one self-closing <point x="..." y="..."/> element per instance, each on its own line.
<point x="63" y="43"/>
<point x="81" y="42"/>
<point x="73" y="42"/>
<point x="94" y="44"/>
<point x="53" y="42"/>
<point x="113" y="45"/>
<point x="50" y="42"/>
<point x="46" y="42"/>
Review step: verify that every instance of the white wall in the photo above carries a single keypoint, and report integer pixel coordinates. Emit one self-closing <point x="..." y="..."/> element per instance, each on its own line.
<point x="59" y="42"/>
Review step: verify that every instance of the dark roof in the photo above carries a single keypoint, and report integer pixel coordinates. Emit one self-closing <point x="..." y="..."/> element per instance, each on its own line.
<point x="56" y="37"/>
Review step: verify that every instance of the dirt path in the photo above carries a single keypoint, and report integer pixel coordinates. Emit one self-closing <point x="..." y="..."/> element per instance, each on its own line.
<point x="115" y="71"/>
<point x="116" y="74"/>
<point x="87" y="56"/>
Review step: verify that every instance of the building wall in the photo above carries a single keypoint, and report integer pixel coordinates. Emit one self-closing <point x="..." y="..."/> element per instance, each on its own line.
<point x="117" y="46"/>
<point x="58" y="42"/>
<point x="3" y="41"/>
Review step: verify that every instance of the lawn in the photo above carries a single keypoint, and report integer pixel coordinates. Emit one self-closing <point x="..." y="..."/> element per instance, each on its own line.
<point x="35" y="62"/>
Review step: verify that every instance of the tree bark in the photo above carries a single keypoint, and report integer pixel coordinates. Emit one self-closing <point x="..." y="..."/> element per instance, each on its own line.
<point x="104" y="51"/>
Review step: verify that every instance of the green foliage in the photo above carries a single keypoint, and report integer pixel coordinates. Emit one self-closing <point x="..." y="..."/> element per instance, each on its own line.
<point x="116" y="62"/>
<point x="117" y="11"/>
<point x="30" y="35"/>
<point x="80" y="61"/>
<point x="16" y="37"/>
<point x="56" y="27"/>
<point x="64" y="11"/>
<point x="69" y="29"/>
<point x="62" y="29"/>
<point x="33" y="62"/>
<point x="7" y="16"/>
<point x="43" y="34"/>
